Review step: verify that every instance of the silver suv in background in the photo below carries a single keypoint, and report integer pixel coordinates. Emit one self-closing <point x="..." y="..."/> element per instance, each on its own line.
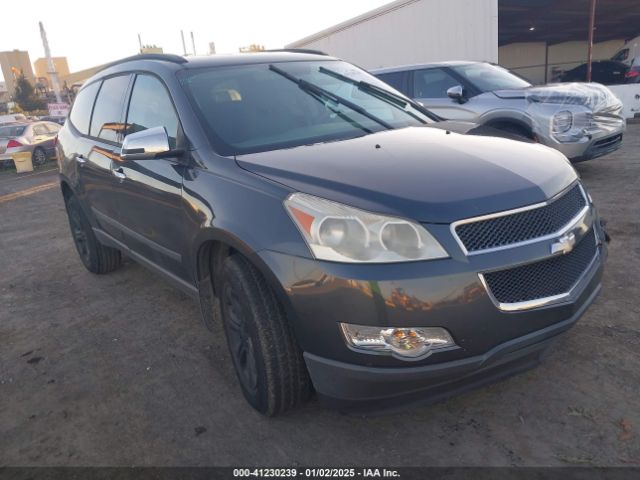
<point x="581" y="120"/>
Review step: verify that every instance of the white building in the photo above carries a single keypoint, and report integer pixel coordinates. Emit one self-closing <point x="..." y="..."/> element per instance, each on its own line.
<point x="413" y="31"/>
<point x="536" y="38"/>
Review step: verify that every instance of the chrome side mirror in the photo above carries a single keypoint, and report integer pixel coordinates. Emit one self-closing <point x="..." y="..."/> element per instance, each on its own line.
<point x="146" y="144"/>
<point x="456" y="93"/>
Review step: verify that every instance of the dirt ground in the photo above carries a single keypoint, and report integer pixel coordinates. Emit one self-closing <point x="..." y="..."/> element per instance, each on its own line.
<point x="118" y="370"/>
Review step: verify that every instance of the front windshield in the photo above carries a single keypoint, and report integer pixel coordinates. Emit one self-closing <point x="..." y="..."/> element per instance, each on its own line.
<point x="260" y="107"/>
<point x="487" y="77"/>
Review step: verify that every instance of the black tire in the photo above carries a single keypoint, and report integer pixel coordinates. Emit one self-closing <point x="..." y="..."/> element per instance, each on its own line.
<point x="517" y="131"/>
<point x="38" y="157"/>
<point x="96" y="257"/>
<point x="267" y="359"/>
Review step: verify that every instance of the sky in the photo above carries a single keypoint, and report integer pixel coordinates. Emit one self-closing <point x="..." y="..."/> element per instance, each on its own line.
<point x="90" y="33"/>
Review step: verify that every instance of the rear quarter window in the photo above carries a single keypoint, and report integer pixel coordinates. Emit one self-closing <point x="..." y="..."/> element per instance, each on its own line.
<point x="80" y="115"/>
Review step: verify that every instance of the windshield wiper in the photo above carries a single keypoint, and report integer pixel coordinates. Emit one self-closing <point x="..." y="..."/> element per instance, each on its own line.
<point x="315" y="89"/>
<point x="382" y="94"/>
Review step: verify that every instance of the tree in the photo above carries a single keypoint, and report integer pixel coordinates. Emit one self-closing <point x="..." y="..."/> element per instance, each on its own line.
<point x="25" y="95"/>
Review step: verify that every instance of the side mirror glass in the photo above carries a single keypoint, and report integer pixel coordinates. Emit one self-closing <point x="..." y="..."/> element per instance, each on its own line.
<point x="456" y="93"/>
<point x="146" y="144"/>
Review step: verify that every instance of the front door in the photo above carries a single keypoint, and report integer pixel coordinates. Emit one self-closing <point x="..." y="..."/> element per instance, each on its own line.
<point x="149" y="192"/>
<point x="430" y="87"/>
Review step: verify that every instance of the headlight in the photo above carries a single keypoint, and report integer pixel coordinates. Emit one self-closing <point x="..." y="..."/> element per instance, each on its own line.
<point x="562" y="122"/>
<point x="341" y="233"/>
<point x="405" y="343"/>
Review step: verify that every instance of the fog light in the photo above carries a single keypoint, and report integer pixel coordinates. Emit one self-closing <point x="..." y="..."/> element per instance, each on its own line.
<point x="404" y="343"/>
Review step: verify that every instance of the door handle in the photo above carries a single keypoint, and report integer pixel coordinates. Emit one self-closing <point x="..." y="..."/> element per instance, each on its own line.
<point x="81" y="160"/>
<point x="119" y="173"/>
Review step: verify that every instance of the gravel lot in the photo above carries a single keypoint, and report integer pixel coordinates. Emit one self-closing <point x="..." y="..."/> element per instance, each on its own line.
<point x="118" y="370"/>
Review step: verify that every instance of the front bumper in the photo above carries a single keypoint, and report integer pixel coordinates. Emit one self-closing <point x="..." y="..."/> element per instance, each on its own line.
<point x="346" y="386"/>
<point x="597" y="146"/>
<point x="449" y="293"/>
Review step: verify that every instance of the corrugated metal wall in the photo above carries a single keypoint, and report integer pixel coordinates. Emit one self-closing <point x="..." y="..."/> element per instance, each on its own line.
<point x="417" y="31"/>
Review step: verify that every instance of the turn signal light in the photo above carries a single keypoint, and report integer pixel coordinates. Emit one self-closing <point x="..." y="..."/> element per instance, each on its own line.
<point x="405" y="343"/>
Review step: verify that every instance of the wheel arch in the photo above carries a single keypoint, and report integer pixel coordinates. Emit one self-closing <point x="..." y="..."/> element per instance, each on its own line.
<point x="213" y="247"/>
<point x="519" y="124"/>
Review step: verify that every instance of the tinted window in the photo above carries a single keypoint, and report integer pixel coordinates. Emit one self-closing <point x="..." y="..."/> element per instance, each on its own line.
<point x="9" y="132"/>
<point x="486" y="77"/>
<point x="254" y="108"/>
<point x="106" y="122"/>
<point x="432" y="83"/>
<point x="621" y="56"/>
<point x="81" y="111"/>
<point x="151" y="106"/>
<point x="395" y="79"/>
<point x="40" y="129"/>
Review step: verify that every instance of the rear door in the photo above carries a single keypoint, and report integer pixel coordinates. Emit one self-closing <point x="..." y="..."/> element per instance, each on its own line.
<point x="149" y="194"/>
<point x="97" y="150"/>
<point x="429" y="87"/>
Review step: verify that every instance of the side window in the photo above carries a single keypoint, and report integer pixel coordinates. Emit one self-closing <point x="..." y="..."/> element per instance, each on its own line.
<point x="106" y="122"/>
<point x="432" y="83"/>
<point x="81" y="112"/>
<point x="621" y="56"/>
<point x="40" y="129"/>
<point x="395" y="79"/>
<point x="150" y="106"/>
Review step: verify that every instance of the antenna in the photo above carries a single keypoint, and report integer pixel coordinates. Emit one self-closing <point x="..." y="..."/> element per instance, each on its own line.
<point x="140" y="42"/>
<point x="184" y="45"/>
<point x="193" y="43"/>
<point x="53" y="75"/>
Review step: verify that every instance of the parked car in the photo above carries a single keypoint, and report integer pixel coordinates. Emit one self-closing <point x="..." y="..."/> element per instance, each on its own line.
<point x="12" y="118"/>
<point x="606" y="72"/>
<point x="37" y="138"/>
<point x="337" y="237"/>
<point x="583" y="121"/>
<point x="55" y="119"/>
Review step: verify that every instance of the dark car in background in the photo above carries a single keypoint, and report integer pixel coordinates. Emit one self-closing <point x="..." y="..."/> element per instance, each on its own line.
<point x="606" y="72"/>
<point x="342" y="242"/>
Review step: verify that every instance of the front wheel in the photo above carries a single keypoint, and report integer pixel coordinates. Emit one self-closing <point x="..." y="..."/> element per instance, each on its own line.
<point x="266" y="357"/>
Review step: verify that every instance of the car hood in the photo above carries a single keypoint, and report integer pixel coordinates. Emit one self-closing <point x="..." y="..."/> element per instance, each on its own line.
<point x="426" y="174"/>
<point x="593" y="96"/>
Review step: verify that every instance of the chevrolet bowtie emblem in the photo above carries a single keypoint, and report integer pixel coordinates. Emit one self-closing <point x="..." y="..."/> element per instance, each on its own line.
<point x="564" y="244"/>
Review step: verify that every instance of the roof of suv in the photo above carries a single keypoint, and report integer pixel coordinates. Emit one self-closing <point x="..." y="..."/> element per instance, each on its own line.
<point x="402" y="68"/>
<point x="224" y="59"/>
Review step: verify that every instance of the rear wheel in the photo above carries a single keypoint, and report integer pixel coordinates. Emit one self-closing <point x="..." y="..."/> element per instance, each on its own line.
<point x="39" y="157"/>
<point x="266" y="357"/>
<point x="97" y="258"/>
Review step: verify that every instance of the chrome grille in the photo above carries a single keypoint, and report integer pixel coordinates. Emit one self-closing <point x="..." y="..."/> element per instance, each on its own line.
<point x="548" y="278"/>
<point x="503" y="230"/>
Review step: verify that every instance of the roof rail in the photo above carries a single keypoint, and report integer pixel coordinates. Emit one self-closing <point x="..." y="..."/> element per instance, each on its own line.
<point x="299" y="50"/>
<point x="165" y="57"/>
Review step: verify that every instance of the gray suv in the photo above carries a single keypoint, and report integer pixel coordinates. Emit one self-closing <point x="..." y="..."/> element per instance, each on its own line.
<point x="583" y="121"/>
<point x="342" y="243"/>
